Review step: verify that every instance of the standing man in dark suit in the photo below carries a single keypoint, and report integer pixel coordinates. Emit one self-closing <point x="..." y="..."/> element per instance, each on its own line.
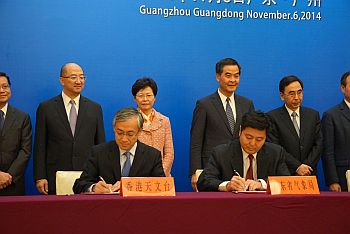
<point x="67" y="126"/>
<point x="297" y="129"/>
<point x="249" y="156"/>
<point x="217" y="117"/>
<point x="126" y="156"/>
<point x="336" y="140"/>
<point x="15" y="142"/>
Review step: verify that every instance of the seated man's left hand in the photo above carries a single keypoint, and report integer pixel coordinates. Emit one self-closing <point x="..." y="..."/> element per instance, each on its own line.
<point x="252" y="185"/>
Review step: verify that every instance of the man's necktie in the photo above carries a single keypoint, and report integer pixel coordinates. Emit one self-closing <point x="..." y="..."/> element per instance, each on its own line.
<point x="127" y="165"/>
<point x="249" y="175"/>
<point x="1" y="119"/>
<point x="229" y="114"/>
<point x="294" y="115"/>
<point x="72" y="116"/>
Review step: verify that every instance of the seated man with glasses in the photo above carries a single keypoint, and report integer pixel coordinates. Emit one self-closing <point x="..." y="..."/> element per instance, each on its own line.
<point x="124" y="157"/>
<point x="296" y="128"/>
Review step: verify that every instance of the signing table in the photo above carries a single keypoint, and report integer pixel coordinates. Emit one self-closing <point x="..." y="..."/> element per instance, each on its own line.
<point x="184" y="213"/>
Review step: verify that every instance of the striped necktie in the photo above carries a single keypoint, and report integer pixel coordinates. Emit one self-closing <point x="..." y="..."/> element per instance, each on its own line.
<point x="229" y="114"/>
<point x="294" y="115"/>
<point x="127" y="165"/>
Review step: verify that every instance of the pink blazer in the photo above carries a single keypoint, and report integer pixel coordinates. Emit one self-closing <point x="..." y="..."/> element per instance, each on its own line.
<point x="158" y="134"/>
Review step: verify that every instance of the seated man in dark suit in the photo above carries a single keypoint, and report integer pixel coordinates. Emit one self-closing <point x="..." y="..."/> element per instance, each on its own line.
<point x="249" y="155"/>
<point x="124" y="157"/>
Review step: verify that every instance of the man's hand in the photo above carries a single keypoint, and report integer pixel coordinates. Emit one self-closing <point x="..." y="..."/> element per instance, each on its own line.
<point x="252" y="185"/>
<point x="102" y="187"/>
<point x="194" y="182"/>
<point x="5" y="179"/>
<point x="236" y="184"/>
<point x="42" y="186"/>
<point x="335" y="187"/>
<point x="304" y="170"/>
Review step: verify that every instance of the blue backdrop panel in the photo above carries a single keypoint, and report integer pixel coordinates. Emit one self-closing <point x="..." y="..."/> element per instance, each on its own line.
<point x="177" y="42"/>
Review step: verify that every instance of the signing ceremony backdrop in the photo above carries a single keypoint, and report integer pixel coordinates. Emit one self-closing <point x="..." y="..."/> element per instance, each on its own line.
<point x="176" y="42"/>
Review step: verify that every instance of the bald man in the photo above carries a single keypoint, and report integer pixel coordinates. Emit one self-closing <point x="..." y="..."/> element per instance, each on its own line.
<point x="67" y="126"/>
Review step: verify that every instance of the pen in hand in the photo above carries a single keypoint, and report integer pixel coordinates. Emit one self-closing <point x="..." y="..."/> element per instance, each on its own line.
<point x="237" y="174"/>
<point x="101" y="178"/>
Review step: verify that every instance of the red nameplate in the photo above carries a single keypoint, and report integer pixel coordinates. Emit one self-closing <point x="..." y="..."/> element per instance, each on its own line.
<point x="147" y="186"/>
<point x="292" y="185"/>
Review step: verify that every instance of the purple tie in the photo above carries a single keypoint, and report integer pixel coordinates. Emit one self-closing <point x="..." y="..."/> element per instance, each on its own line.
<point x="72" y="116"/>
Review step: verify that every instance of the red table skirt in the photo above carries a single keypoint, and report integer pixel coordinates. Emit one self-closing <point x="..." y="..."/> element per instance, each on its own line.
<point x="185" y="213"/>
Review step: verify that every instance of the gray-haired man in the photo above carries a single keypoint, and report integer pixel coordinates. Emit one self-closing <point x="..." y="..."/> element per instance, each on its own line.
<point x="125" y="156"/>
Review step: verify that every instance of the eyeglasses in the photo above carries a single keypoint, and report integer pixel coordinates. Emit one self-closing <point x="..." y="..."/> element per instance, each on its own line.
<point x="292" y="94"/>
<point x="142" y="96"/>
<point x="74" y="77"/>
<point x="5" y="86"/>
<point x="126" y="134"/>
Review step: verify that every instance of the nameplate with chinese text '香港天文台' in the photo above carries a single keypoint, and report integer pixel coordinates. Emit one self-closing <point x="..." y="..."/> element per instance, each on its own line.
<point x="147" y="186"/>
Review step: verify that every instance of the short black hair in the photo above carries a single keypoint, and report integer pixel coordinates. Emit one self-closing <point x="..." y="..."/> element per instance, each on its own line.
<point x="287" y="80"/>
<point x="224" y="62"/>
<point x="143" y="83"/>
<point x="3" y="74"/>
<point x="255" y="119"/>
<point x="343" y="78"/>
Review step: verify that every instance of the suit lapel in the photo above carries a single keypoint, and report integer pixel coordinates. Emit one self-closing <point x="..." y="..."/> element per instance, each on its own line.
<point x="239" y="112"/>
<point x="237" y="158"/>
<point x="285" y="118"/>
<point x="302" y="118"/>
<point x="81" y="114"/>
<point x="61" y="110"/>
<point x="139" y="157"/>
<point x="220" y="110"/>
<point x="262" y="161"/>
<point x="9" y="119"/>
<point x="114" y="158"/>
<point x="344" y="109"/>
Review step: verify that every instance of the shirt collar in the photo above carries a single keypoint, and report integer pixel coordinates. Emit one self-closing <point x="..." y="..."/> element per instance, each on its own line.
<point x="4" y="109"/>
<point x="223" y="97"/>
<point x="347" y="103"/>
<point x="67" y="99"/>
<point x="245" y="154"/>
<point x="132" y="150"/>
<point x="290" y="111"/>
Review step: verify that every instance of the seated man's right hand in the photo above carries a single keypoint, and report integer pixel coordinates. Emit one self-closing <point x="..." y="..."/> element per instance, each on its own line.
<point x="42" y="186"/>
<point x="102" y="187"/>
<point x="236" y="184"/>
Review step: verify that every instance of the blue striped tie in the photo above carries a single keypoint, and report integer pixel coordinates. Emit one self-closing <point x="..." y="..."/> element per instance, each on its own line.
<point x="127" y="165"/>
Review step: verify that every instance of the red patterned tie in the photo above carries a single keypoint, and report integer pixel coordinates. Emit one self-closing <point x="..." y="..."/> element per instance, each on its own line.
<point x="249" y="175"/>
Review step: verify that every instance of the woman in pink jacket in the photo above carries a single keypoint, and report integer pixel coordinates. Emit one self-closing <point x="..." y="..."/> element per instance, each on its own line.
<point x="156" y="129"/>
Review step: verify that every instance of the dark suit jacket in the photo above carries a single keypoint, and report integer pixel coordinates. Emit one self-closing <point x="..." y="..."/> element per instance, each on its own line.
<point x="210" y="127"/>
<point x="228" y="157"/>
<point x="15" y="149"/>
<point x="55" y="147"/>
<point x="105" y="161"/>
<point x="336" y="144"/>
<point x="303" y="150"/>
